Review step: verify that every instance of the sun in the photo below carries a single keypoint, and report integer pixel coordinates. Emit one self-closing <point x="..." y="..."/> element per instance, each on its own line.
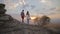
<point x="32" y="18"/>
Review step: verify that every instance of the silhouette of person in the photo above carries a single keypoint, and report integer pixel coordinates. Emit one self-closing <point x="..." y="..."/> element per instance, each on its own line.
<point x="22" y="16"/>
<point x="28" y="16"/>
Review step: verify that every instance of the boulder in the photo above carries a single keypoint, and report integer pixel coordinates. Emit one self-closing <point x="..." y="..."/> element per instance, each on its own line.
<point x="2" y="5"/>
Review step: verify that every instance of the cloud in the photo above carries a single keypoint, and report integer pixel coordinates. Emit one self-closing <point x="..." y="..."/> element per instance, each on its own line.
<point x="35" y="6"/>
<point x="54" y="16"/>
<point x="1" y="1"/>
<point x="58" y="9"/>
<point x="14" y="5"/>
<point x="11" y="4"/>
<point x="55" y="9"/>
<point x="22" y="2"/>
<point x="32" y="6"/>
<point x="52" y="10"/>
<point x="46" y="2"/>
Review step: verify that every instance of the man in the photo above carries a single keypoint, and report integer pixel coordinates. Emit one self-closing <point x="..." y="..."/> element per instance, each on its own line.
<point x="22" y="16"/>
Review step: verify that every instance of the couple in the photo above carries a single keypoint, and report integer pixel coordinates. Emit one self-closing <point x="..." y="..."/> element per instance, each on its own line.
<point x="23" y="16"/>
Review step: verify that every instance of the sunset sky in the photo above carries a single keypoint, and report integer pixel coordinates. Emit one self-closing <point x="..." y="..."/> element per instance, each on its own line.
<point x="35" y="7"/>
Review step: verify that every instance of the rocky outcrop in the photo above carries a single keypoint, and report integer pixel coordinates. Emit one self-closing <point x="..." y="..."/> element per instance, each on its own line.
<point x="7" y="23"/>
<point x="53" y="28"/>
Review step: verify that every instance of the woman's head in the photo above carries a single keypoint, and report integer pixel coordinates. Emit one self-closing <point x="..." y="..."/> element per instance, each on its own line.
<point x="27" y="13"/>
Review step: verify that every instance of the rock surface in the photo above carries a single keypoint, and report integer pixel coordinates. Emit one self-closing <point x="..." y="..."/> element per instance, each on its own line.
<point x="9" y="25"/>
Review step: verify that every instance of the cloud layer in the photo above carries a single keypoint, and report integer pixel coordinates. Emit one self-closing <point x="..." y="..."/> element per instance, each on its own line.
<point x="45" y="7"/>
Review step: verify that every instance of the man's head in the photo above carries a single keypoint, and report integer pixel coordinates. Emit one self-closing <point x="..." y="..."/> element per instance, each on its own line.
<point x="22" y="10"/>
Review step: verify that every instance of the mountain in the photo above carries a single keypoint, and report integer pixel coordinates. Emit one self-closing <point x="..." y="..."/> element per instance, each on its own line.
<point x="55" y="20"/>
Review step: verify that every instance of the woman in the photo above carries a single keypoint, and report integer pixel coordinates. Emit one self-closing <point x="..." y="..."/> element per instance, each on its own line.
<point x="28" y="16"/>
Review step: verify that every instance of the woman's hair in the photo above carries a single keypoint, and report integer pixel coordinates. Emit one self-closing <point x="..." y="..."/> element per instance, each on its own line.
<point x="27" y="13"/>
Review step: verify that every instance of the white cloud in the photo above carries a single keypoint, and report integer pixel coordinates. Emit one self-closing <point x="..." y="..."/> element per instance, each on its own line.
<point x="40" y="6"/>
<point x="54" y="16"/>
<point x="57" y="8"/>
<point x="46" y="2"/>
<point x="22" y="2"/>
<point x="12" y="5"/>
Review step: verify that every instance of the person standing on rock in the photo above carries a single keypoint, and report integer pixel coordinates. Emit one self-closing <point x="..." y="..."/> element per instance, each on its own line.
<point x="22" y="16"/>
<point x="28" y="16"/>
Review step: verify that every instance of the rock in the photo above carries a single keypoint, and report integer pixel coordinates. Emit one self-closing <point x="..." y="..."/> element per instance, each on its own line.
<point x="2" y="9"/>
<point x="6" y="22"/>
<point x="54" y="28"/>
<point x="5" y="17"/>
<point x="2" y="5"/>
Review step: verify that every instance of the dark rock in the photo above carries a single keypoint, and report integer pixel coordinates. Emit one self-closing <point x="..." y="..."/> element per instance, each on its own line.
<point x="2" y="11"/>
<point x="2" y="6"/>
<point x="7" y="23"/>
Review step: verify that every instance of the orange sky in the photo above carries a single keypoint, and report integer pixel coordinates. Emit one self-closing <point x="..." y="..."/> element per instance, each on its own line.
<point x="55" y="16"/>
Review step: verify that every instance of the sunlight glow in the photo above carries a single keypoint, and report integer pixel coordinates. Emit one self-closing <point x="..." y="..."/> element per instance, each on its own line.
<point x="32" y="18"/>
